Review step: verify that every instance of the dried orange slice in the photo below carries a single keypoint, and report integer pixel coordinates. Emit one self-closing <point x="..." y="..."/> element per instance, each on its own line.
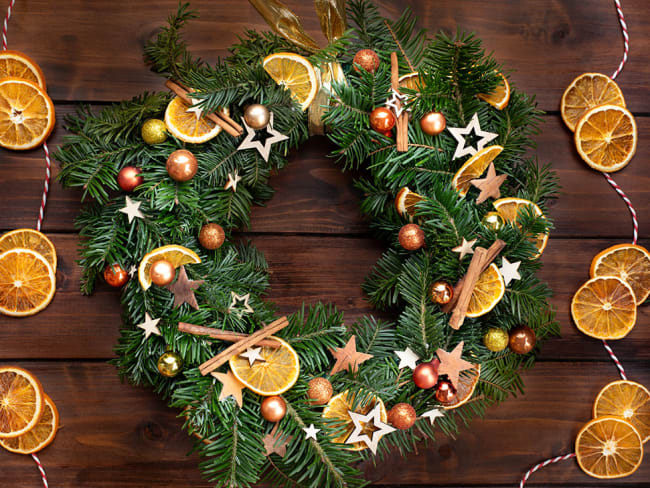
<point x="606" y="137"/>
<point x="40" y="436"/>
<point x="14" y="64"/>
<point x="188" y="124"/>
<point x="609" y="447"/>
<point x="474" y="167"/>
<point x="586" y="92"/>
<point x="604" y="308"/>
<point x="467" y="382"/>
<point x="26" y="114"/>
<point x="500" y="97"/>
<point x="629" y="262"/>
<point x="27" y="282"/>
<point x="30" y="239"/>
<point x="275" y="374"/>
<point x="412" y="81"/>
<point x="337" y="412"/>
<point x="405" y="201"/>
<point x="21" y="401"/>
<point x="509" y="209"/>
<point x="628" y="400"/>
<point x="295" y="73"/>
<point x="177" y="255"/>
<point x="487" y="293"/>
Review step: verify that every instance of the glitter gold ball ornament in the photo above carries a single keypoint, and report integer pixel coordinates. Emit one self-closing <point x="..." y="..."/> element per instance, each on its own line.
<point x="522" y="339"/>
<point x="162" y="272"/>
<point x="411" y="237"/>
<point x="182" y="165"/>
<point x="128" y="178"/>
<point x="445" y="392"/>
<point x="425" y="375"/>
<point x="433" y="123"/>
<point x="441" y="292"/>
<point x="496" y="339"/>
<point x="367" y="59"/>
<point x="115" y="276"/>
<point x="154" y="131"/>
<point x="273" y="408"/>
<point x="402" y="416"/>
<point x="382" y="119"/>
<point x="170" y="364"/>
<point x="212" y="236"/>
<point x="257" y="116"/>
<point x="320" y="391"/>
<point x="493" y="221"/>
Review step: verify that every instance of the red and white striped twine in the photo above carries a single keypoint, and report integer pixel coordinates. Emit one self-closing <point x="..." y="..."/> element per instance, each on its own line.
<point x="41" y="469"/>
<point x="6" y="23"/>
<point x="542" y="464"/>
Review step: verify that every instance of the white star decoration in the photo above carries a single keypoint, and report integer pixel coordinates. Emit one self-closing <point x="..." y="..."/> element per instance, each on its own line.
<point x="232" y="182"/>
<point x="373" y="439"/>
<point x="310" y="432"/>
<point x="253" y="354"/>
<point x="240" y="298"/>
<point x="150" y="326"/>
<point x="459" y="133"/>
<point x="396" y="101"/>
<point x="433" y="414"/>
<point x="133" y="270"/>
<point x="509" y="271"/>
<point x="465" y="248"/>
<point x="198" y="111"/>
<point x="132" y="209"/>
<point x="407" y="358"/>
<point x="263" y="149"/>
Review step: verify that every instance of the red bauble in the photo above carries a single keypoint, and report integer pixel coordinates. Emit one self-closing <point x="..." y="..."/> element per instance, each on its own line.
<point x="433" y="123"/>
<point x="445" y="392"/>
<point x="425" y="375"/>
<point x="128" y="178"/>
<point x="402" y="416"/>
<point x="115" y="276"/>
<point x="367" y="59"/>
<point x="382" y="119"/>
<point x="411" y="237"/>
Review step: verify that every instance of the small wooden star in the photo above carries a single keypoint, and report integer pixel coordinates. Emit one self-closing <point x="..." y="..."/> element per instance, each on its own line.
<point x="198" y="111"/>
<point x="347" y="357"/>
<point x="474" y="126"/>
<point x="237" y="299"/>
<point x="360" y="422"/>
<point x="310" y="432"/>
<point x="132" y="209"/>
<point x="150" y="326"/>
<point x="452" y="364"/>
<point x="396" y="101"/>
<point x="489" y="185"/>
<point x="232" y="181"/>
<point x="183" y="290"/>
<point x="253" y="354"/>
<point x="433" y="414"/>
<point x="133" y="270"/>
<point x="509" y="271"/>
<point x="276" y="442"/>
<point x="231" y="387"/>
<point x="264" y="148"/>
<point x="407" y="358"/>
<point x="465" y="248"/>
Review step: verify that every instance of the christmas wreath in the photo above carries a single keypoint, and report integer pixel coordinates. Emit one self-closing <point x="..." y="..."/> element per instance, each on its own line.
<point x="441" y="138"/>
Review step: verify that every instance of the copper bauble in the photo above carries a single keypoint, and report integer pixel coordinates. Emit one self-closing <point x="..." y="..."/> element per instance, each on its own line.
<point x="387" y="133"/>
<point x="212" y="236"/>
<point x="493" y="221"/>
<point x="441" y="292"/>
<point x="496" y="339"/>
<point x="115" y="275"/>
<point x="273" y="408"/>
<point x="182" y="165"/>
<point x="522" y="339"/>
<point x="411" y="237"/>
<point x="367" y="59"/>
<point x="446" y="392"/>
<point x="382" y="119"/>
<point x="257" y="116"/>
<point x="170" y="364"/>
<point x="433" y="123"/>
<point x="154" y="131"/>
<point x="129" y="178"/>
<point x="402" y="416"/>
<point x="425" y="375"/>
<point x="162" y="272"/>
<point x="320" y="391"/>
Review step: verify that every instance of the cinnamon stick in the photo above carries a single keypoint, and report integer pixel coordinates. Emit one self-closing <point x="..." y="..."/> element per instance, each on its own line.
<point x="402" y="138"/>
<point x="458" y="315"/>
<point x="223" y="335"/>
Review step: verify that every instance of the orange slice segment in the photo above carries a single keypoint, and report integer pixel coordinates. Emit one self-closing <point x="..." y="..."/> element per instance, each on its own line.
<point x="39" y="437"/>
<point x="26" y="114"/>
<point x="30" y="239"/>
<point x="177" y="255"/>
<point x="412" y="81"/>
<point x="274" y="375"/>
<point x="474" y="167"/>
<point x="586" y="92"/>
<point x="21" y="401"/>
<point x="488" y="291"/>
<point x="295" y="73"/>
<point x="27" y="282"/>
<point x="606" y="137"/>
<point x="629" y="262"/>
<point x="604" y="308"/>
<point x="609" y="447"/>
<point x="14" y="64"/>
<point x="509" y="209"/>
<point x="628" y="400"/>
<point x="467" y="382"/>
<point x="500" y="97"/>
<point x="406" y="200"/>
<point x="189" y="125"/>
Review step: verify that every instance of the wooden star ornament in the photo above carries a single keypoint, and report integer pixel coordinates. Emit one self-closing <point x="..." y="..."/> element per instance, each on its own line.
<point x="467" y="247"/>
<point x="348" y="357"/>
<point x="183" y="290"/>
<point x="452" y="364"/>
<point x="276" y="442"/>
<point x="231" y="387"/>
<point x="489" y="185"/>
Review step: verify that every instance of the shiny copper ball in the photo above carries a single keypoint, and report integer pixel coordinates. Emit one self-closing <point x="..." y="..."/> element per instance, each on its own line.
<point x="212" y="236"/>
<point x="367" y="59"/>
<point x="115" y="276"/>
<point x="402" y="416"/>
<point x="445" y="392"/>
<point x="162" y="272"/>
<point x="382" y="119"/>
<point x="425" y="375"/>
<point x="522" y="339"/>
<point x="129" y="178"/>
<point x="495" y="339"/>
<point x="170" y="364"/>
<point x="182" y="165"/>
<point x="411" y="237"/>
<point x="257" y="116"/>
<point x="273" y="408"/>
<point x="441" y="292"/>
<point x="433" y="123"/>
<point x="493" y="221"/>
<point x="154" y="131"/>
<point x="386" y="133"/>
<point x="320" y="391"/>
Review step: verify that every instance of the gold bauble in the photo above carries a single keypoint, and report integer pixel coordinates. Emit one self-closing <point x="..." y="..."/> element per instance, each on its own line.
<point x="402" y="416"/>
<point x="182" y="165"/>
<point x="257" y="116"/>
<point x="212" y="236"/>
<point x="441" y="292"/>
<point x="170" y="364"/>
<point x="320" y="391"/>
<point x="411" y="237"/>
<point x="154" y="131"/>
<point x="433" y="123"/>
<point x="493" y="221"/>
<point x="162" y="272"/>
<point x="496" y="339"/>
<point x="273" y="408"/>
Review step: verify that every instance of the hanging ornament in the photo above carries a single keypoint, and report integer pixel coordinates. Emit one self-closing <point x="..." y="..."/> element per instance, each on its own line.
<point x="433" y="123"/>
<point x="522" y="339"/>
<point x="320" y="391"/>
<point x="273" y="408"/>
<point x="162" y="272"/>
<point x="382" y="119"/>
<point x="411" y="237"/>
<point x="257" y="116"/>
<point x="182" y="165"/>
<point x="495" y="339"/>
<point x="170" y="364"/>
<point x="441" y="292"/>
<point x="459" y="134"/>
<point x="493" y="221"/>
<point x="425" y="375"/>
<point x="129" y="178"/>
<point x="445" y="392"/>
<point x="262" y="144"/>
<point x="154" y="131"/>
<point x="115" y="275"/>
<point x="212" y="236"/>
<point x="402" y="416"/>
<point x="367" y="59"/>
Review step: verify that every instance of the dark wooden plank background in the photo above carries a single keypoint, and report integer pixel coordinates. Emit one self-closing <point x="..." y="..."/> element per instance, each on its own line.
<point x="317" y="244"/>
